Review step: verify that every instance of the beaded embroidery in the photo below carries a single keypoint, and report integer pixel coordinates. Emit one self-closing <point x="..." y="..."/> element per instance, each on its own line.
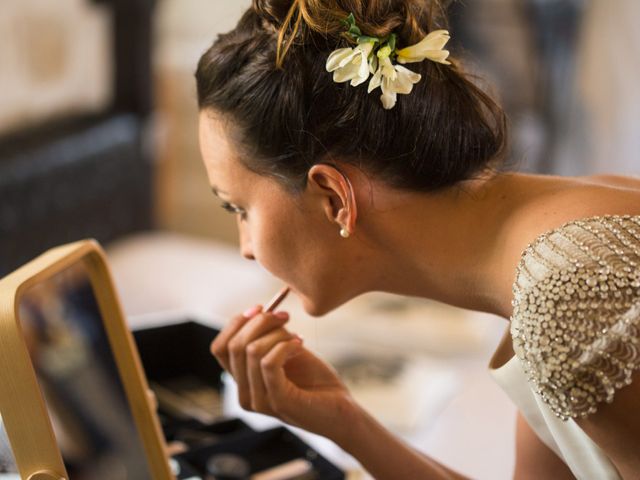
<point x="576" y="312"/>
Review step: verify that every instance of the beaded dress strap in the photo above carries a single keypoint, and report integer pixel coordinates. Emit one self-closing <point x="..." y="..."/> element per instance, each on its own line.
<point x="576" y="319"/>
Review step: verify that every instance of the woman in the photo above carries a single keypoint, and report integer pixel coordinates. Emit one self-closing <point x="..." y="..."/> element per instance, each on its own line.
<point x="339" y="190"/>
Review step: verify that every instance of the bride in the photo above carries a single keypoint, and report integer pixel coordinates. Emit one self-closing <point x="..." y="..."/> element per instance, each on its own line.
<point x="358" y="156"/>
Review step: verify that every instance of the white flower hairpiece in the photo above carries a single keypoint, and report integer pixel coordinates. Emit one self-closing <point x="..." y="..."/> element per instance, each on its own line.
<point x="375" y="56"/>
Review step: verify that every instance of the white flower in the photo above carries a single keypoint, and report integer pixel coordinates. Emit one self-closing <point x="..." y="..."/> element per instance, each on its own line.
<point x="355" y="64"/>
<point x="351" y="64"/>
<point x="430" y="47"/>
<point x="393" y="79"/>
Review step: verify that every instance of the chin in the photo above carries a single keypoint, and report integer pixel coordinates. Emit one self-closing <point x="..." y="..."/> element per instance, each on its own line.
<point x="317" y="309"/>
<point x="312" y="308"/>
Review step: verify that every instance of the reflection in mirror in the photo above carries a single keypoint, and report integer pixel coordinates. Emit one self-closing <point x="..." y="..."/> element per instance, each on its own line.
<point x="8" y="468"/>
<point x="77" y="373"/>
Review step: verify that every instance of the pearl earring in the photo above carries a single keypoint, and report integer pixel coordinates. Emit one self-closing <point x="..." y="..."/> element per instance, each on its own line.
<point x="344" y="233"/>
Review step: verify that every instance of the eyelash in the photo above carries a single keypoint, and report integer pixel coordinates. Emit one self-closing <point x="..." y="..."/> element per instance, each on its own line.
<point x="235" y="210"/>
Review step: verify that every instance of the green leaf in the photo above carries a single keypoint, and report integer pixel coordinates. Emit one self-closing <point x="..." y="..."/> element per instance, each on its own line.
<point x="392" y="41"/>
<point x="349" y="21"/>
<point x="352" y="28"/>
<point x="354" y="31"/>
<point x="366" y="39"/>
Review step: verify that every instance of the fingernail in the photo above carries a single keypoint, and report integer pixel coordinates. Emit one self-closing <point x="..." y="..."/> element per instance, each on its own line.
<point x="252" y="311"/>
<point x="282" y="315"/>
<point x="295" y="352"/>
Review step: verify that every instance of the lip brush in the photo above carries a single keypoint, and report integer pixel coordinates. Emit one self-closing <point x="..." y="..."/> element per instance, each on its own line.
<point x="277" y="299"/>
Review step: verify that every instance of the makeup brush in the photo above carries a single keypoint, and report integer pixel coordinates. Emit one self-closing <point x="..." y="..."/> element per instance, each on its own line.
<point x="277" y="299"/>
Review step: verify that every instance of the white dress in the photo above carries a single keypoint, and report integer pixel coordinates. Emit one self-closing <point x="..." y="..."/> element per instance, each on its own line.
<point x="575" y="331"/>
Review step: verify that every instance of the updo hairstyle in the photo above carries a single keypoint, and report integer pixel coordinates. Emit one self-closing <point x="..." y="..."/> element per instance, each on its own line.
<point x="267" y="80"/>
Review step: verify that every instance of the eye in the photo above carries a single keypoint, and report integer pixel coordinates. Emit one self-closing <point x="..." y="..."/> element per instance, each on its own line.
<point x="235" y="210"/>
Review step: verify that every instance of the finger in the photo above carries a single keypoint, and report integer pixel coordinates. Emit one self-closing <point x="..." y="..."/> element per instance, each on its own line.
<point x="256" y="351"/>
<point x="262" y="324"/>
<point x="272" y="365"/>
<point x="219" y="347"/>
<point x="237" y="350"/>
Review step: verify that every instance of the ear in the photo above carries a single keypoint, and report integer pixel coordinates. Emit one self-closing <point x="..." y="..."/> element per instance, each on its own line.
<point x="336" y="194"/>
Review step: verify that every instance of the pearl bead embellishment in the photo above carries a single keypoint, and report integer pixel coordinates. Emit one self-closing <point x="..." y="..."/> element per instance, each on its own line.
<point x="575" y="324"/>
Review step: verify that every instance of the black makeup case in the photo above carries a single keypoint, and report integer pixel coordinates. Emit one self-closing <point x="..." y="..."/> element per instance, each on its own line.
<point x="186" y="380"/>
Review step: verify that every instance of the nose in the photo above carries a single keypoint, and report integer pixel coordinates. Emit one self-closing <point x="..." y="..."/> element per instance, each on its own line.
<point x="245" y="242"/>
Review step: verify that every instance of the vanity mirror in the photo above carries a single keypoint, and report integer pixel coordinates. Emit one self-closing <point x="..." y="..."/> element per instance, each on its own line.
<point x="74" y="401"/>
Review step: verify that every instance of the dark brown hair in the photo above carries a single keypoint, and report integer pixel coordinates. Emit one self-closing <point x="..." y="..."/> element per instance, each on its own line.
<point x="285" y="113"/>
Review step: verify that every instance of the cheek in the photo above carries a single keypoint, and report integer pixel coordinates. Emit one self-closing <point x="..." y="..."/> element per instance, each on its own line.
<point x="287" y="243"/>
<point x="300" y="248"/>
<point x="274" y="242"/>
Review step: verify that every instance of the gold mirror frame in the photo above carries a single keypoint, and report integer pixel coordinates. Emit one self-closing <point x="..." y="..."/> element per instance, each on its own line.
<point x="22" y="405"/>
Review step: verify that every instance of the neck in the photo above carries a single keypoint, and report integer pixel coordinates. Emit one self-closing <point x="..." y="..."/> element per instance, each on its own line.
<point x="453" y="246"/>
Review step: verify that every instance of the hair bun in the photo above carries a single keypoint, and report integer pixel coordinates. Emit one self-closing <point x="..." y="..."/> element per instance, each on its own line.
<point x="410" y="19"/>
<point x="283" y="122"/>
<point x="273" y="12"/>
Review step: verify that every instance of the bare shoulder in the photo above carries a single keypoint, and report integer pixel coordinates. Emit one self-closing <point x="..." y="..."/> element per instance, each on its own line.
<point x="564" y="199"/>
<point x="546" y="202"/>
<point x="616" y="181"/>
<point x="553" y="201"/>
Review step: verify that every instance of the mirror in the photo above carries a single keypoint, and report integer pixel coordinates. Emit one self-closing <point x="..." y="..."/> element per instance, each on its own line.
<point x="77" y="373"/>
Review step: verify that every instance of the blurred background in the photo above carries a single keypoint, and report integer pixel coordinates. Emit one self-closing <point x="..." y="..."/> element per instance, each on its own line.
<point x="98" y="138"/>
<point x="107" y="86"/>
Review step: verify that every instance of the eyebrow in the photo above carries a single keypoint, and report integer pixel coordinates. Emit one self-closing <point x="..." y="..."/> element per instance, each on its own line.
<point x="216" y="191"/>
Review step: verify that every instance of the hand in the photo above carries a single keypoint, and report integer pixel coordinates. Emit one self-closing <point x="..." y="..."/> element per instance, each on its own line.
<point x="277" y="376"/>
